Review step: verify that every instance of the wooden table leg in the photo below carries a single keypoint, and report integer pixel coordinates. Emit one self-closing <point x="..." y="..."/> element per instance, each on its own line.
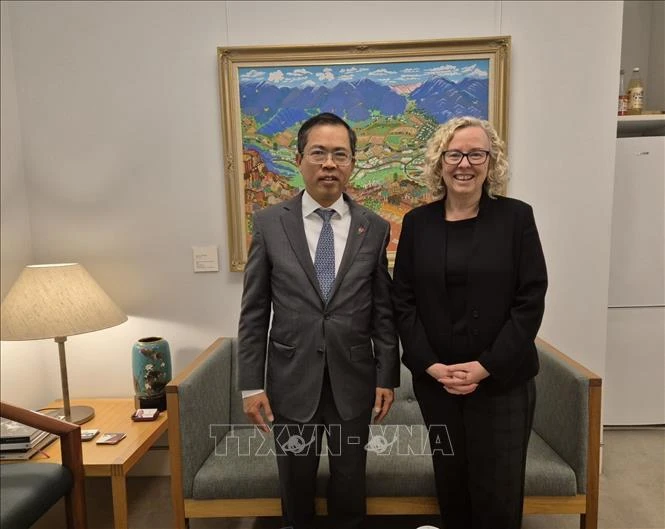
<point x="119" y="489"/>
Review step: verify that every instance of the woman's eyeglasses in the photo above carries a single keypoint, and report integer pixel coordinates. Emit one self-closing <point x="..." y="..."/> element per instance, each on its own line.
<point x="477" y="157"/>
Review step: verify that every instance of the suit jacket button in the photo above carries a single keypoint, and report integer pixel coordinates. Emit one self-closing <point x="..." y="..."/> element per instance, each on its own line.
<point x="320" y="351"/>
<point x="474" y="313"/>
<point x="326" y="316"/>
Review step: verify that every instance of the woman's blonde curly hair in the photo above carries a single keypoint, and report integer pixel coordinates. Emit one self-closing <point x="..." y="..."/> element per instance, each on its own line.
<point x="497" y="176"/>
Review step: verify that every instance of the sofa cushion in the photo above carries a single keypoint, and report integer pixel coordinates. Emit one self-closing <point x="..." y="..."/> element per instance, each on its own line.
<point x="547" y="474"/>
<point x="398" y="464"/>
<point x="243" y="465"/>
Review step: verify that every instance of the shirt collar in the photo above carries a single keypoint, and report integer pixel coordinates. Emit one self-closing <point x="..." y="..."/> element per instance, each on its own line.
<point x="309" y="205"/>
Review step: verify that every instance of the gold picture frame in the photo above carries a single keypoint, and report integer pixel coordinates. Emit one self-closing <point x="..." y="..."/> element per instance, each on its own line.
<point x="394" y="94"/>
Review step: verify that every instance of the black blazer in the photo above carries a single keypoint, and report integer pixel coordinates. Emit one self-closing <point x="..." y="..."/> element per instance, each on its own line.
<point x="505" y="297"/>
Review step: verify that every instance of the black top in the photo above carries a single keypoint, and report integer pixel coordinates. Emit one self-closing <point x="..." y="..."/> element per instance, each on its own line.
<point x="459" y="235"/>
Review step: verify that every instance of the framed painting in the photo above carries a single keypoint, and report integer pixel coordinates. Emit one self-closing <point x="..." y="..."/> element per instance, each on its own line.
<point x="394" y="95"/>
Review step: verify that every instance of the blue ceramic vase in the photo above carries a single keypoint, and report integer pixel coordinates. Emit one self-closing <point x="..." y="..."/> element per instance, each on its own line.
<point x="151" y="367"/>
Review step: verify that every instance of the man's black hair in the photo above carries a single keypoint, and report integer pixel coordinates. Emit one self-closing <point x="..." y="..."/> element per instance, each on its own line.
<point x="325" y="118"/>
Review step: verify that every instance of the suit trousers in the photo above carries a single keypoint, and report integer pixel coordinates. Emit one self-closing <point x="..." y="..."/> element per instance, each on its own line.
<point x="298" y="447"/>
<point x="479" y="444"/>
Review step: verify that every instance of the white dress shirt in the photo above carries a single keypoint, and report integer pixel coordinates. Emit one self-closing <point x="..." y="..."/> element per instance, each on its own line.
<point x="340" y="222"/>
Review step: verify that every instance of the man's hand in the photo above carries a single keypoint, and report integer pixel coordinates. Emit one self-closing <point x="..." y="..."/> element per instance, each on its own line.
<point x="382" y="403"/>
<point x="254" y="405"/>
<point x="462" y="379"/>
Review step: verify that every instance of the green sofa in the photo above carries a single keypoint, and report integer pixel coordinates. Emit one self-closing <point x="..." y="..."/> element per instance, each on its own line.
<point x="222" y="467"/>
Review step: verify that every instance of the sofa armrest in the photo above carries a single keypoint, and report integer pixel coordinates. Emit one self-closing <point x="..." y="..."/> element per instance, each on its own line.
<point x="198" y="403"/>
<point x="71" y="453"/>
<point x="568" y="413"/>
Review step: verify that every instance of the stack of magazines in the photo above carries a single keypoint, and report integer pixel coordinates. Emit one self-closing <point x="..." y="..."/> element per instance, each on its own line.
<point x="18" y="441"/>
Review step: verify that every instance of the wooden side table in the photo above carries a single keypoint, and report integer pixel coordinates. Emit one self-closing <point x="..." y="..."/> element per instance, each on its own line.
<point x="114" y="461"/>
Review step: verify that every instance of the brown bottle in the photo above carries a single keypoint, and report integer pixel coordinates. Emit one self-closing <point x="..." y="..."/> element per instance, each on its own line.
<point x="623" y="96"/>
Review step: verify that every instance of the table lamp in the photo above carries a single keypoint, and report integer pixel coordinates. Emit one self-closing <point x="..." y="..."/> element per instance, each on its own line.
<point x="56" y="301"/>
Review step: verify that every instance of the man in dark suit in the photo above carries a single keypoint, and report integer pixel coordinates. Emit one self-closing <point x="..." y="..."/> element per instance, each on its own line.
<point x="330" y="354"/>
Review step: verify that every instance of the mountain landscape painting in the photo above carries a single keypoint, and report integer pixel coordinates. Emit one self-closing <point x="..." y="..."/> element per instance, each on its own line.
<point x="393" y="107"/>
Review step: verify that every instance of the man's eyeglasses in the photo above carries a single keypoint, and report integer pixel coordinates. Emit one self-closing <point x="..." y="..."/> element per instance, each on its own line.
<point x="474" y="157"/>
<point x="319" y="156"/>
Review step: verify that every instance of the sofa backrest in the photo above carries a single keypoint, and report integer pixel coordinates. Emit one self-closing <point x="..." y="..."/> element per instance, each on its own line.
<point x="405" y="409"/>
<point x="237" y="415"/>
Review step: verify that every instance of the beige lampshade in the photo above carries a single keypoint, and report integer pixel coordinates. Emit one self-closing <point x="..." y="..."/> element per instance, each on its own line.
<point x="56" y="300"/>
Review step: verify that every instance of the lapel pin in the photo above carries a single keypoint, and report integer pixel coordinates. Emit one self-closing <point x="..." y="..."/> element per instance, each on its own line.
<point x="361" y="230"/>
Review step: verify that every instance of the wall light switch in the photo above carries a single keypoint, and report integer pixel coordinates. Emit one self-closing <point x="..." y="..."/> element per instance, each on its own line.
<point x="205" y="259"/>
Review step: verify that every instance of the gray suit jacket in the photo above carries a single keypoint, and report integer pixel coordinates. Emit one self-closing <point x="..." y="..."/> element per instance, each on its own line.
<point x="353" y="333"/>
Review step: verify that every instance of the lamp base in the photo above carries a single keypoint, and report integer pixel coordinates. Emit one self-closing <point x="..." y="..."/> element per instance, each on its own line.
<point x="80" y="414"/>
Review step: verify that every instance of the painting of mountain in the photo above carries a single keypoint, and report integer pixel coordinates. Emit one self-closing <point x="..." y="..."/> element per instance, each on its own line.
<point x="277" y="109"/>
<point x="393" y="107"/>
<point x="283" y="119"/>
<point x="355" y="101"/>
<point x="394" y="95"/>
<point x="443" y="99"/>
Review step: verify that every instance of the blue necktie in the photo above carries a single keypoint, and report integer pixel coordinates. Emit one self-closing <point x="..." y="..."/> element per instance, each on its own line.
<point x="324" y="259"/>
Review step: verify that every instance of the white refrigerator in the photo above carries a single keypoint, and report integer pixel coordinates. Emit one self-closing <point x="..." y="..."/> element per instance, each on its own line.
<point x="634" y="385"/>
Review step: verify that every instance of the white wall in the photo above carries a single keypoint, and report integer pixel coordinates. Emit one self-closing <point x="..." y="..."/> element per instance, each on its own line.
<point x="19" y="382"/>
<point x="16" y="239"/>
<point x="120" y="122"/>
<point x="121" y="141"/>
<point x="562" y="136"/>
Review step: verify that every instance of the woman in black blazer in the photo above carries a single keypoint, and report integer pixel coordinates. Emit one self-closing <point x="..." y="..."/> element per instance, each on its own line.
<point x="469" y="292"/>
